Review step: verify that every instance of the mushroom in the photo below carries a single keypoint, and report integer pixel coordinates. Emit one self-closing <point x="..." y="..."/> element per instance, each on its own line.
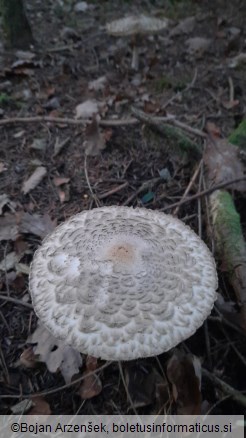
<point x="120" y="283"/>
<point x="136" y="26"/>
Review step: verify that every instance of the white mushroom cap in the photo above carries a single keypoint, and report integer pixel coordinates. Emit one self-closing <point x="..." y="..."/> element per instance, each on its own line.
<point x="121" y="283"/>
<point x="133" y="25"/>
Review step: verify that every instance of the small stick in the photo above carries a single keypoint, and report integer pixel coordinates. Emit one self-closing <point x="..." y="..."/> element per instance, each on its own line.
<point x="193" y="179"/>
<point x="67" y="121"/>
<point x="113" y="191"/>
<point x="227" y="389"/>
<point x="59" y="388"/>
<point x="15" y="301"/>
<point x="202" y="193"/>
<point x="89" y="184"/>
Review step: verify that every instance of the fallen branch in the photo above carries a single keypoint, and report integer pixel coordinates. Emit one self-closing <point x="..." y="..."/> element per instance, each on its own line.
<point x="66" y="121"/>
<point x="227" y="231"/>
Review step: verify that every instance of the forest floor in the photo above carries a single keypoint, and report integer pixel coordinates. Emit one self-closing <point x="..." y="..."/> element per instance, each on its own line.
<point x="195" y="71"/>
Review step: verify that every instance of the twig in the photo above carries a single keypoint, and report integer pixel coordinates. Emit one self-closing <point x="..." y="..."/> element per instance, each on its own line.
<point x="227" y="389"/>
<point x="14" y="300"/>
<point x="170" y="118"/>
<point x="126" y="388"/>
<point x="203" y="193"/>
<point x="67" y="121"/>
<point x="231" y="87"/>
<point x="59" y="388"/>
<point x="113" y="191"/>
<point x="89" y="184"/>
<point x="193" y="179"/>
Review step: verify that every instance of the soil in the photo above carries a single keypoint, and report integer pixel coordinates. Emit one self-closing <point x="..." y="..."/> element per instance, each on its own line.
<point x="137" y="167"/>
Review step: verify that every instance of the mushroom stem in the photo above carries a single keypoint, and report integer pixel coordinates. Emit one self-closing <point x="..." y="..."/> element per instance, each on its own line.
<point x="135" y="58"/>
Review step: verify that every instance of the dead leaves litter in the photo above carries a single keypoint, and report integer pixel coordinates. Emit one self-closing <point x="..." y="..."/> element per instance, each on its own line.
<point x="223" y="162"/>
<point x="32" y="182"/>
<point x="184" y="373"/>
<point x="36" y="224"/>
<point x="91" y="385"/>
<point x="54" y="353"/>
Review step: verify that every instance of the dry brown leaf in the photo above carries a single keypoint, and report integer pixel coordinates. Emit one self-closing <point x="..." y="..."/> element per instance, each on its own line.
<point x="28" y="358"/>
<point x="8" y="227"/>
<point x="91" y="385"/>
<point x="230" y="104"/>
<point x="184" y="373"/>
<point x="35" y="224"/>
<point x="94" y="139"/>
<point x="34" y="179"/>
<point x="223" y="163"/>
<point x="54" y="353"/>
<point x="59" y="181"/>
<point x="41" y="406"/>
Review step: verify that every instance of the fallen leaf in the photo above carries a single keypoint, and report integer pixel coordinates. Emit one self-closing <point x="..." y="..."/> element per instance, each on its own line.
<point x="87" y="109"/>
<point x="41" y="406"/>
<point x="223" y="163"/>
<point x="237" y="60"/>
<point x="25" y="55"/>
<point x="8" y="227"/>
<point x="28" y="358"/>
<point x="98" y="84"/>
<point x="22" y="407"/>
<point x="39" y="144"/>
<point x="230" y="104"/>
<point x="36" y="224"/>
<point x="185" y="26"/>
<point x="54" y="353"/>
<point x="81" y="7"/>
<point x="32" y="182"/>
<point x="94" y="139"/>
<point x="22" y="268"/>
<point x="59" y="181"/>
<point x="9" y="261"/>
<point x="213" y="129"/>
<point x="64" y="195"/>
<point x="91" y="385"/>
<point x="184" y="373"/>
<point x="19" y="134"/>
<point x="197" y="46"/>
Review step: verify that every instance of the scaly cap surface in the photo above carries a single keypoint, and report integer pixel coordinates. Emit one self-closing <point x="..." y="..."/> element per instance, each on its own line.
<point x="121" y="283"/>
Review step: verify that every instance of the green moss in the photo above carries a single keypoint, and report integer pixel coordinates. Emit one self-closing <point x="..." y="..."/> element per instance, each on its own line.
<point x="227" y="228"/>
<point x="238" y="136"/>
